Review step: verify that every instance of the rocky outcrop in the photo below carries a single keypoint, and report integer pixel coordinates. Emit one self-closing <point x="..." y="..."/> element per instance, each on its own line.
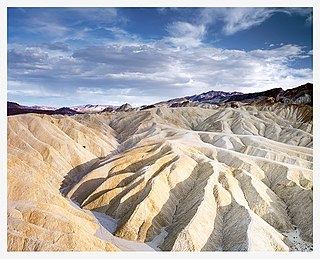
<point x="298" y="95"/>
<point x="91" y="108"/>
<point x="108" y="109"/>
<point x="124" y="107"/>
<point x="226" y="179"/>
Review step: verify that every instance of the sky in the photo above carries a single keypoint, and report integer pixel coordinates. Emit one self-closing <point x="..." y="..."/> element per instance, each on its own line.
<point x="75" y="56"/>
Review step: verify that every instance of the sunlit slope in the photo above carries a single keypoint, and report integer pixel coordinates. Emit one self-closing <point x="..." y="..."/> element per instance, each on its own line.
<point x="211" y="179"/>
<point x="41" y="151"/>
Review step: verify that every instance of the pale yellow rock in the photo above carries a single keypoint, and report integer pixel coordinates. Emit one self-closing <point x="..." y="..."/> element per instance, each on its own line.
<point x="180" y="179"/>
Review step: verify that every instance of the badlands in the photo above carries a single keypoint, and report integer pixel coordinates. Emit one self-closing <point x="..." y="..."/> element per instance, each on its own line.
<point x="229" y="178"/>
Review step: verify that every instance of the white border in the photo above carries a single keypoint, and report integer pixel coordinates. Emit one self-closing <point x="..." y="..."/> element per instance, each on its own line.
<point x="152" y="3"/>
<point x="158" y="3"/>
<point x="3" y="128"/>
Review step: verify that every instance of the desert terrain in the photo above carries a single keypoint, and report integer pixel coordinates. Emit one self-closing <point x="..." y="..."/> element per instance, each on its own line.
<point x="195" y="178"/>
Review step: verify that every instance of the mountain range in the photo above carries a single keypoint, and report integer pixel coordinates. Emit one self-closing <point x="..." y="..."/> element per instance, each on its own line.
<point x="298" y="95"/>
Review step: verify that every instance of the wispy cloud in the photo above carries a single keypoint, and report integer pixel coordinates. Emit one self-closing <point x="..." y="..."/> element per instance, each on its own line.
<point x="61" y="24"/>
<point x="27" y="57"/>
<point x="18" y="88"/>
<point x="240" y="19"/>
<point x="185" y="34"/>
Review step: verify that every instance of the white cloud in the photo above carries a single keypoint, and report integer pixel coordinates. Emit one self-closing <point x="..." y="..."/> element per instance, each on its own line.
<point x="282" y="54"/>
<point x="90" y="91"/>
<point x="235" y="19"/>
<point x="185" y="34"/>
<point x="144" y="74"/>
<point x="49" y="28"/>
<point x="57" y="25"/>
<point x="115" y="96"/>
<point x="18" y="88"/>
<point x="309" y="20"/>
<point x="239" y="19"/>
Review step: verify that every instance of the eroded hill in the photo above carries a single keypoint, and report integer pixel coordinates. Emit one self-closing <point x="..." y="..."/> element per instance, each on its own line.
<point x="176" y="179"/>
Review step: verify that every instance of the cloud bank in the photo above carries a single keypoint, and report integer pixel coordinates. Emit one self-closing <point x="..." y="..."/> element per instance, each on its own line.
<point x="126" y="67"/>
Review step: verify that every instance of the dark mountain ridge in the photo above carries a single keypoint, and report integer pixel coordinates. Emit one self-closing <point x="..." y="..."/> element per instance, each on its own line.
<point x="298" y="95"/>
<point x="302" y="94"/>
<point x="15" y="108"/>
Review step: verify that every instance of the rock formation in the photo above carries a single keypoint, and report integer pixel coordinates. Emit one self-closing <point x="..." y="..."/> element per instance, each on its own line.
<point x="298" y="95"/>
<point x="124" y="107"/>
<point x="15" y="108"/>
<point x="175" y="179"/>
<point x="91" y="108"/>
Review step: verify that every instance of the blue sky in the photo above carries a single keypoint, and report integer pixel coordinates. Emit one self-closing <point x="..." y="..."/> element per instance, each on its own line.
<point x="72" y="56"/>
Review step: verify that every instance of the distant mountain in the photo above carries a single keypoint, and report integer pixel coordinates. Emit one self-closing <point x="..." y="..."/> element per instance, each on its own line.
<point x="252" y="97"/>
<point x="15" y="108"/>
<point x="207" y="97"/>
<point x="91" y="108"/>
<point x="124" y="107"/>
<point x="210" y="100"/>
<point x="38" y="107"/>
<point x="213" y="96"/>
<point x="66" y="111"/>
<point x="298" y="95"/>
